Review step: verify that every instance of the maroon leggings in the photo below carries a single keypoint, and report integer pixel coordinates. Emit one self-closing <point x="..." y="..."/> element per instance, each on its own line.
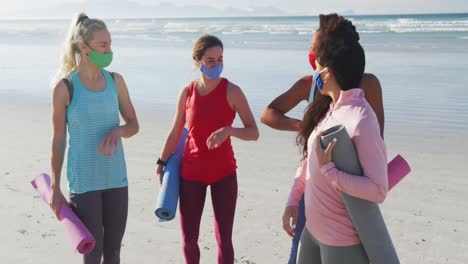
<point x="192" y="200"/>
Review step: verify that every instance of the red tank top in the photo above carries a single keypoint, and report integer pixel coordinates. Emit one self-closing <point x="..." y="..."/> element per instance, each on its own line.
<point x="204" y="115"/>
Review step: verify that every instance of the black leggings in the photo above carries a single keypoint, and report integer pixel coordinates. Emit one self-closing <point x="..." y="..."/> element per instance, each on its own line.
<point x="104" y="213"/>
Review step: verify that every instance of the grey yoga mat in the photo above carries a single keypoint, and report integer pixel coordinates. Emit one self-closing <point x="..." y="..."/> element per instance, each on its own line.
<point x="366" y="215"/>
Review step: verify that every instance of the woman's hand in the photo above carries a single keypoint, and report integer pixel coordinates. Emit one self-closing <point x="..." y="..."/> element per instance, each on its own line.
<point x="218" y="137"/>
<point x="159" y="173"/>
<point x="324" y="156"/>
<point x="290" y="219"/>
<point x="57" y="200"/>
<point x="110" y="143"/>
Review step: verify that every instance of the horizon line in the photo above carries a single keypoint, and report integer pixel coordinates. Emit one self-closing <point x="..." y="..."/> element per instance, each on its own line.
<point x="345" y="14"/>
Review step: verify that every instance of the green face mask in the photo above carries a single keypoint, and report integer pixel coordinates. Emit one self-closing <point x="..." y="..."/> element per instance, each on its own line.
<point x="101" y="60"/>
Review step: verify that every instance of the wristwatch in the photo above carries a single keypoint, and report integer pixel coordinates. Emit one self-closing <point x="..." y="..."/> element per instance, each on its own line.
<point x="161" y="162"/>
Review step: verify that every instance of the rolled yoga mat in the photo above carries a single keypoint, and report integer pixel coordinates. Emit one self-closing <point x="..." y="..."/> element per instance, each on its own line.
<point x="398" y="168"/>
<point x="80" y="237"/>
<point x="169" y="192"/>
<point x="365" y="215"/>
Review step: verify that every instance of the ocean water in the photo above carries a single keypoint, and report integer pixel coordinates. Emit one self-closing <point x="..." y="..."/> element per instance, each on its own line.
<point x="421" y="61"/>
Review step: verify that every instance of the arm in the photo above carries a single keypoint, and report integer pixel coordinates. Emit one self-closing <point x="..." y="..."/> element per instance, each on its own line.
<point x="292" y="208"/>
<point x="60" y="102"/>
<point x="298" y="187"/>
<point x="238" y="102"/>
<point x="274" y="115"/>
<point x="175" y="132"/>
<point x="131" y="126"/>
<point x="373" y="91"/>
<point x="372" y="155"/>
<point x="110" y="142"/>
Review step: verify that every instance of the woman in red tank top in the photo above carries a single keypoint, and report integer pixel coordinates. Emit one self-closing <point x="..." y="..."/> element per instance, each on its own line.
<point x="208" y="106"/>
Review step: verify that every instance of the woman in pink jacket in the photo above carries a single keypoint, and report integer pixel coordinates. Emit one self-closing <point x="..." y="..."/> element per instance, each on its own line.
<point x="329" y="236"/>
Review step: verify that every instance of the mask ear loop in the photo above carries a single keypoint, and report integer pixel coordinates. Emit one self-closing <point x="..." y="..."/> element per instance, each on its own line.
<point x="324" y="80"/>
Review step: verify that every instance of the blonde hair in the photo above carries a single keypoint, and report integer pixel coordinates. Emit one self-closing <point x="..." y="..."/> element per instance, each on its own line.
<point x="81" y="30"/>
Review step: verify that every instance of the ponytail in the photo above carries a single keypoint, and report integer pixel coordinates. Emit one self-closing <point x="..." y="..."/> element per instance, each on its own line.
<point x="81" y="30"/>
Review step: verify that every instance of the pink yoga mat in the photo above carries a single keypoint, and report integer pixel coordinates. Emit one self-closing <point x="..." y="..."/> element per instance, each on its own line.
<point x="398" y="168"/>
<point x="80" y="237"/>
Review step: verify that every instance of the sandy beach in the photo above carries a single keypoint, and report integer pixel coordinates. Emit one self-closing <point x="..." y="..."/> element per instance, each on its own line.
<point x="420" y="60"/>
<point x="426" y="214"/>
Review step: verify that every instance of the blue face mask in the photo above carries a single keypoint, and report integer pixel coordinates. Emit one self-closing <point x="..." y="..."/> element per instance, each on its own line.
<point x="318" y="81"/>
<point x="212" y="73"/>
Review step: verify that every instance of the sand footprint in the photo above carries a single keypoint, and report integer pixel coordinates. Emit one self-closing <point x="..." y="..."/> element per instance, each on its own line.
<point x="243" y="260"/>
<point x="27" y="215"/>
<point x="23" y="231"/>
<point x="50" y="233"/>
<point x="9" y="188"/>
<point x="46" y="235"/>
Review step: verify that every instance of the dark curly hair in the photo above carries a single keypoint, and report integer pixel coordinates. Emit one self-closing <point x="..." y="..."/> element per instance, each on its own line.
<point x="340" y="51"/>
<point x="338" y="26"/>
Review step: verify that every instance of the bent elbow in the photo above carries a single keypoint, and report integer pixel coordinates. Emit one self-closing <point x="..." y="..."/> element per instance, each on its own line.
<point x="265" y="117"/>
<point x="137" y="128"/>
<point x="256" y="135"/>
<point x="381" y="194"/>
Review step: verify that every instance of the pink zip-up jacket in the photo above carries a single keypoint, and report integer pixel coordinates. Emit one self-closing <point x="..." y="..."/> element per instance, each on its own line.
<point x="326" y="216"/>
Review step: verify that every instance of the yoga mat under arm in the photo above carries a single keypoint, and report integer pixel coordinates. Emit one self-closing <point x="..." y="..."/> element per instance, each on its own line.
<point x="365" y="215"/>
<point x="168" y="197"/>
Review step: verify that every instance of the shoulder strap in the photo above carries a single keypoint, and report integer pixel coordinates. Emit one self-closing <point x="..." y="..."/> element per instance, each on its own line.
<point x="192" y="86"/>
<point x="69" y="86"/>
<point x="112" y="75"/>
<point x="190" y="91"/>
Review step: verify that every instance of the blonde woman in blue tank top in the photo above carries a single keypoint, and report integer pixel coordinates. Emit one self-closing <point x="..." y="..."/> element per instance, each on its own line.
<point x="88" y="100"/>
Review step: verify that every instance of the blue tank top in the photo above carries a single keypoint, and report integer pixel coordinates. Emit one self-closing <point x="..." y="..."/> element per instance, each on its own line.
<point x="91" y="115"/>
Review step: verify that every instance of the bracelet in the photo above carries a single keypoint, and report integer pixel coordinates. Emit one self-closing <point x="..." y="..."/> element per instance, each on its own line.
<point x="161" y="162"/>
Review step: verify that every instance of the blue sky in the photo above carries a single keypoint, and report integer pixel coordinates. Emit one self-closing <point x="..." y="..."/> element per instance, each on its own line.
<point x="204" y="8"/>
